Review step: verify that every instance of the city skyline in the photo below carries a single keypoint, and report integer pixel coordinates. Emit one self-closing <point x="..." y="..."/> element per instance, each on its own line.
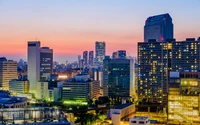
<point x="70" y="27"/>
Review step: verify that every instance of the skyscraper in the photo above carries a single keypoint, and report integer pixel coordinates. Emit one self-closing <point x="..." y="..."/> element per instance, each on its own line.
<point x="79" y="58"/>
<point x="85" y="58"/>
<point x="118" y="78"/>
<point x="91" y="57"/>
<point x="33" y="64"/>
<point x="100" y="48"/>
<point x="156" y="59"/>
<point x="46" y="62"/>
<point x="159" y="27"/>
<point x="8" y="71"/>
<point x="122" y="54"/>
<point x="114" y="55"/>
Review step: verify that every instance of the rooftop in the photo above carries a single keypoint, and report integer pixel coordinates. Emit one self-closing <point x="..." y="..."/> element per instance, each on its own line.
<point x="123" y="106"/>
<point x="141" y="117"/>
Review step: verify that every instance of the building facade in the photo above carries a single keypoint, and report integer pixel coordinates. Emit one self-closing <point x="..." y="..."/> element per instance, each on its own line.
<point x="156" y="59"/>
<point x="91" y="58"/>
<point x="80" y="91"/>
<point x="19" y="86"/>
<point x="100" y="52"/>
<point x="121" y="54"/>
<point x="183" y="98"/>
<point x="8" y="71"/>
<point x="46" y="62"/>
<point x="33" y="64"/>
<point x="85" y="58"/>
<point x="118" y="78"/>
<point x="114" y="55"/>
<point x="159" y="27"/>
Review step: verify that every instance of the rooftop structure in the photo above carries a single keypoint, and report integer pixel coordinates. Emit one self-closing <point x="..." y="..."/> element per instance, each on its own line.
<point x="159" y="28"/>
<point x="123" y="106"/>
<point x="119" y="112"/>
<point x="140" y="120"/>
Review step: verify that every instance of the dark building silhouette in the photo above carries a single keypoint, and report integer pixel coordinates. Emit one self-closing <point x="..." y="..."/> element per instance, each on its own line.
<point x="159" y="27"/>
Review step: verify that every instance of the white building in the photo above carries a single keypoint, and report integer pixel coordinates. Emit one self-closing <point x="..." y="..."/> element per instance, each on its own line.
<point x="33" y="64"/>
<point x="44" y="92"/>
<point x="139" y="120"/>
<point x="120" y="112"/>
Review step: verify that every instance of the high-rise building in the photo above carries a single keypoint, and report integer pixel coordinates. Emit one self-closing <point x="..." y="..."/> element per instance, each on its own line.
<point x="159" y="27"/>
<point x="91" y="57"/>
<point x="156" y="59"/>
<point x="85" y="58"/>
<point x="8" y="71"/>
<point x="100" y="48"/>
<point x="33" y="64"/>
<point x="118" y="78"/>
<point x="79" y="58"/>
<point x="114" y="55"/>
<point x="46" y="62"/>
<point x="122" y="54"/>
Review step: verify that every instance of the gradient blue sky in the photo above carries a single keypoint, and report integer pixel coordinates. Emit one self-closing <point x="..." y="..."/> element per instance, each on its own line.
<point x="72" y="26"/>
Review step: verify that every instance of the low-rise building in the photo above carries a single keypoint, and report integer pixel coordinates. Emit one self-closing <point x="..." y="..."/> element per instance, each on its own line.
<point x="49" y="91"/>
<point x="80" y="89"/>
<point x="139" y="120"/>
<point x="7" y="101"/>
<point x="119" y="112"/>
<point x="19" y="86"/>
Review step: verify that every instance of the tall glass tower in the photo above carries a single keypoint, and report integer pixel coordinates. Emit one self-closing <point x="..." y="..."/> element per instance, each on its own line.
<point x="159" y="27"/>
<point x="100" y="48"/>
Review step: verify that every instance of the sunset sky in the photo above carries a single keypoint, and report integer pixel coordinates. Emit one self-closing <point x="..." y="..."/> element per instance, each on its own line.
<point x="70" y="27"/>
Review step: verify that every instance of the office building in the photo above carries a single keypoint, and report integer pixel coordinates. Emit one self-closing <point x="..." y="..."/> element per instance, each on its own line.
<point x="140" y="120"/>
<point x="121" y="54"/>
<point x="91" y="58"/>
<point x="85" y="58"/>
<point x="186" y="55"/>
<point x="49" y="91"/>
<point x="114" y="55"/>
<point x="81" y="63"/>
<point x="183" y="97"/>
<point x="79" y="58"/>
<point x="100" y="52"/>
<point x="42" y="90"/>
<point x="81" y="89"/>
<point x="118" y="78"/>
<point x="159" y="27"/>
<point x="156" y="59"/>
<point x="153" y="70"/>
<point x="33" y="64"/>
<point x="46" y="62"/>
<point x="19" y="86"/>
<point x="98" y="76"/>
<point x="121" y="111"/>
<point x="94" y="90"/>
<point x="8" y="71"/>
